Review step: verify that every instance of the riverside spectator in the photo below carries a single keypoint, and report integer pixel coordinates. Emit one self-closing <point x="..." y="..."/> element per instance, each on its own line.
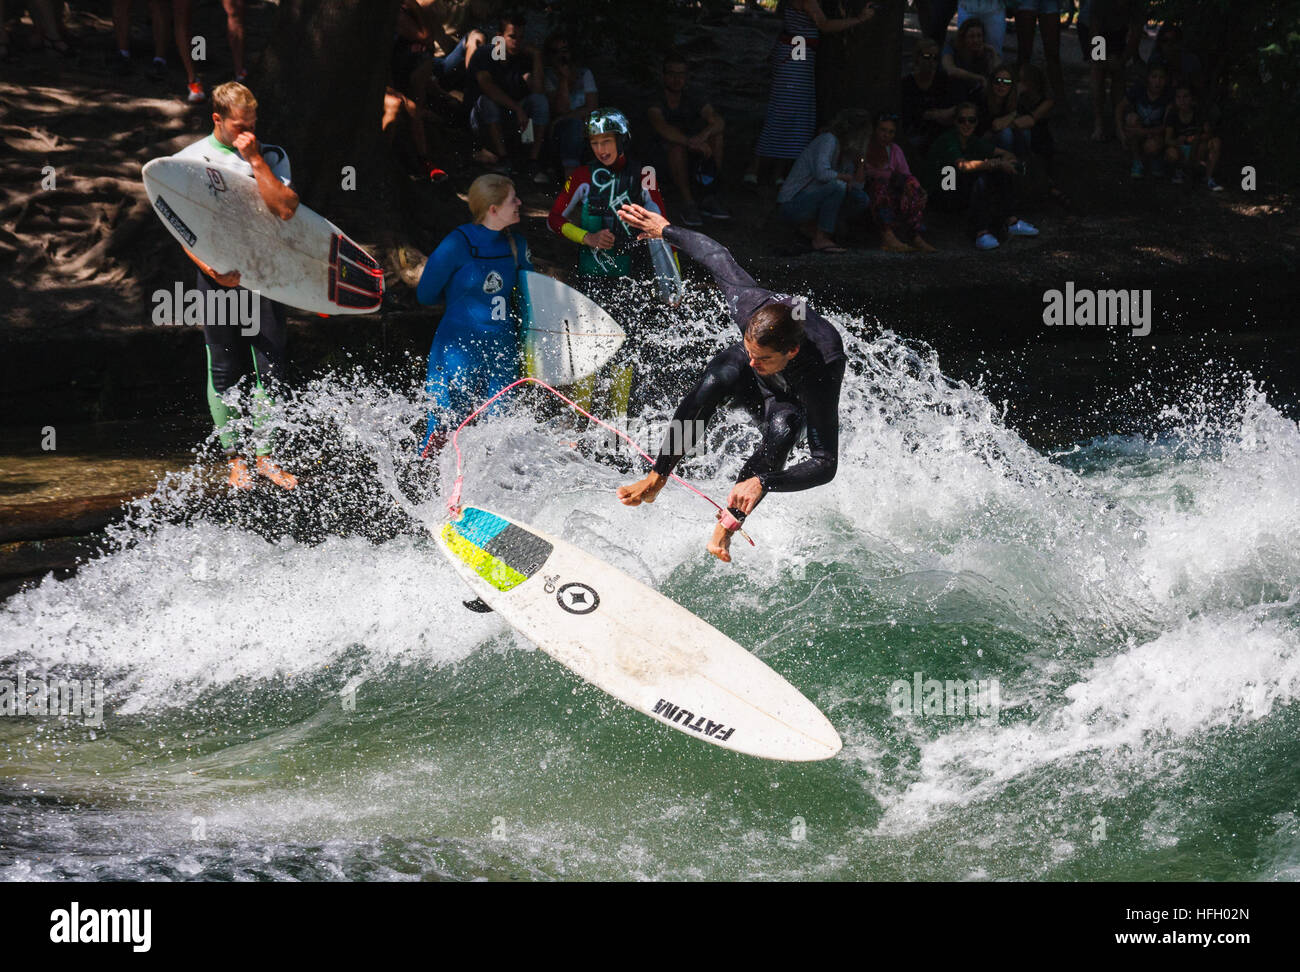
<point x="969" y="59"/>
<point x="1034" y="108"/>
<point x="791" y="120"/>
<point x="998" y="114"/>
<point x="690" y="135"/>
<point x="897" y="201"/>
<point x="935" y="18"/>
<point x="992" y="14"/>
<point x="1045" y="15"/>
<point x="571" y="88"/>
<point x="825" y="184"/>
<point x="164" y="14"/>
<point x="506" y="99"/>
<point x="235" y="35"/>
<point x="1183" y="65"/>
<point x="1113" y="21"/>
<point x="1190" y="143"/>
<point x="984" y="186"/>
<point x="1140" y="119"/>
<point x="928" y="99"/>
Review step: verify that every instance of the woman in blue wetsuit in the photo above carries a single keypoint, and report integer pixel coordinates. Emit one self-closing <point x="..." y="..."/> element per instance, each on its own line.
<point x="475" y="350"/>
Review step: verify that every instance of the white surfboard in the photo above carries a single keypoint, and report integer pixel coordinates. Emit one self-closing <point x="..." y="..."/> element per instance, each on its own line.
<point x="305" y="261"/>
<point x="668" y="276"/>
<point x="629" y="640"/>
<point x="567" y="336"/>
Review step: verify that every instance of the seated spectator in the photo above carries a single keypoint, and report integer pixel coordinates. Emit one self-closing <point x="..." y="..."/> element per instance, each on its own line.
<point x="928" y="98"/>
<point x="969" y="59"/>
<point x="689" y="135"/>
<point x="825" y="183"/>
<point x="506" y="98"/>
<point x="984" y="186"/>
<point x="413" y="64"/>
<point x="1190" y="143"/>
<point x="1140" y="120"/>
<point x="897" y="200"/>
<point x="452" y="71"/>
<point x="1034" y="106"/>
<point x="992" y="14"/>
<point x="1183" y="66"/>
<point x="572" y="91"/>
<point x="998" y="114"/>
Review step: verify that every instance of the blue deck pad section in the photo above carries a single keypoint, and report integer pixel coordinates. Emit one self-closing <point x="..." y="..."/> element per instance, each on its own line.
<point x="479" y="526"/>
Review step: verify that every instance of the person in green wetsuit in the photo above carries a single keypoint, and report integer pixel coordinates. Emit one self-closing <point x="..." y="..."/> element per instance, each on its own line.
<point x="586" y="213"/>
<point x="232" y="353"/>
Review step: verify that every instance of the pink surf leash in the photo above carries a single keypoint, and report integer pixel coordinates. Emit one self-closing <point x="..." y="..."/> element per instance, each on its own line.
<point x="453" y="502"/>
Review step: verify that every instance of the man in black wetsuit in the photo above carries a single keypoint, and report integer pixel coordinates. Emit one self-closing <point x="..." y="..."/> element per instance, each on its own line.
<point x="786" y="373"/>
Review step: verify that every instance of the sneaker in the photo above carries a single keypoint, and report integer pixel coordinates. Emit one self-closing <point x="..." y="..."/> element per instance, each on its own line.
<point x="122" y="65"/>
<point x="1135" y="171"/>
<point x="1211" y="185"/>
<point x="267" y="468"/>
<point x="241" y="76"/>
<point x="1178" y="178"/>
<point x="436" y="174"/>
<point x="1158" y="169"/>
<point x="1021" y="228"/>
<point x="691" y="216"/>
<point x="749" y="179"/>
<point x="240" y="477"/>
<point x="197" y="93"/>
<point x="158" y="69"/>
<point x="712" y="208"/>
<point x="986" y="241"/>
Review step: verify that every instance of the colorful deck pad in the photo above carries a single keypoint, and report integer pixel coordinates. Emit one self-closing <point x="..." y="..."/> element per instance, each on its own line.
<point x="503" y="554"/>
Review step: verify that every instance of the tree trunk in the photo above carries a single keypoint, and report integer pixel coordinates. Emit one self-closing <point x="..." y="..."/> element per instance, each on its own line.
<point x="321" y="93"/>
<point x="860" y="67"/>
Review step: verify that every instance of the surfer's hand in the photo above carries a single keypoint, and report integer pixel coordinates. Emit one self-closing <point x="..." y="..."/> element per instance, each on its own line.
<point x="720" y="543"/>
<point x="246" y="145"/>
<point x="643" y="490"/>
<point x="230" y="279"/>
<point x="651" y="225"/>
<point x="745" y="496"/>
<point x="601" y="240"/>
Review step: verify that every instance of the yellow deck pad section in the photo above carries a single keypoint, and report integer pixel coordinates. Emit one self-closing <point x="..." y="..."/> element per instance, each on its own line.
<point x="492" y="569"/>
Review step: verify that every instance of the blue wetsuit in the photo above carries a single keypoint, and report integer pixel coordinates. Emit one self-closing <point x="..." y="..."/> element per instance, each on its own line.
<point x="475" y="350"/>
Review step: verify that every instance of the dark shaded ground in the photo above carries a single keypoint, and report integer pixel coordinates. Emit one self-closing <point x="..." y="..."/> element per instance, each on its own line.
<point x="80" y="261"/>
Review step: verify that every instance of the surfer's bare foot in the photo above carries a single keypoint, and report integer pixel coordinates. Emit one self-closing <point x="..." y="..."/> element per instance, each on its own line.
<point x="267" y="468"/>
<point x="720" y="544"/>
<point x="643" y="490"/>
<point x="240" y="477"/>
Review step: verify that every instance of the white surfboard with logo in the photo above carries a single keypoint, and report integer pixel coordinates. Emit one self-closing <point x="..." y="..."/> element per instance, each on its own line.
<point x="633" y="642"/>
<point x="305" y="261"/>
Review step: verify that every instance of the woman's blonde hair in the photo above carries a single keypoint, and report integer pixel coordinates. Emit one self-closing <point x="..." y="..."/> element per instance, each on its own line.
<point x="487" y="191"/>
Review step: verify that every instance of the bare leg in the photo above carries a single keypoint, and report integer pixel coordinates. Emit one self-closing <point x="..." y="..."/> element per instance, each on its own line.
<point x="122" y="24"/>
<point x="183" y="10"/>
<point x="235" y="32"/>
<point x="677" y="169"/>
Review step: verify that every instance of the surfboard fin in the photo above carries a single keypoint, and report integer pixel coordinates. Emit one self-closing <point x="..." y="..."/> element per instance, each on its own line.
<point x="478" y="606"/>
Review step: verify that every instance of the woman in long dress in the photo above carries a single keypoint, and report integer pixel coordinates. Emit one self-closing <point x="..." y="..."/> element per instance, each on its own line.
<point x="792" y="105"/>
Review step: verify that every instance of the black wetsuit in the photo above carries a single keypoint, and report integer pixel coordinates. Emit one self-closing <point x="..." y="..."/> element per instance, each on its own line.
<point x="806" y="393"/>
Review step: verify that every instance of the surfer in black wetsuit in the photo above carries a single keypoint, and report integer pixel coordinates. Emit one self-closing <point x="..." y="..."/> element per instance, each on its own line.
<point x="786" y="373"/>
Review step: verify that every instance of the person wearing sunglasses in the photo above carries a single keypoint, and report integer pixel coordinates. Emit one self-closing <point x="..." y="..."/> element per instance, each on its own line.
<point x="968" y="173"/>
<point x="999" y="115"/>
<point x="927" y="99"/>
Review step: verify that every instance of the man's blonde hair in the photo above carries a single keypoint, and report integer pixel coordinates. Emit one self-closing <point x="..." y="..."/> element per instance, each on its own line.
<point x="487" y="191"/>
<point x="231" y="97"/>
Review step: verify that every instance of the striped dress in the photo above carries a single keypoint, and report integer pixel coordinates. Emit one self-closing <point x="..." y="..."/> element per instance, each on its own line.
<point x="792" y="105"/>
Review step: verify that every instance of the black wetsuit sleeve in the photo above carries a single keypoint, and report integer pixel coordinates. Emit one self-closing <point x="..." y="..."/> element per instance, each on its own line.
<point x="722" y="378"/>
<point x="743" y="294"/>
<point x="822" y="410"/>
